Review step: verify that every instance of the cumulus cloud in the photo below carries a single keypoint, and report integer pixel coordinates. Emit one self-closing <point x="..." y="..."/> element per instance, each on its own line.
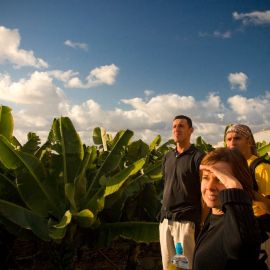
<point x="10" y="50"/>
<point x="238" y="81"/>
<point x="255" y="17"/>
<point x="251" y="110"/>
<point x="76" y="45"/>
<point x="146" y="120"/>
<point x="37" y="89"/>
<point x="39" y="101"/>
<point x="63" y="76"/>
<point x="100" y="75"/>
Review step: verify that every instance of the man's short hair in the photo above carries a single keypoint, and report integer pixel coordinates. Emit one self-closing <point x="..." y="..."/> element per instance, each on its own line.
<point x="189" y="121"/>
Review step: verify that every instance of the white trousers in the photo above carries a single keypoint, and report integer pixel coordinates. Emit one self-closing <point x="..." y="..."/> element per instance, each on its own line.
<point x="171" y="232"/>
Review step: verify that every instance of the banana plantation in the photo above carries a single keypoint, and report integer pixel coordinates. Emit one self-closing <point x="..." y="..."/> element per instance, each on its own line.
<point x="63" y="199"/>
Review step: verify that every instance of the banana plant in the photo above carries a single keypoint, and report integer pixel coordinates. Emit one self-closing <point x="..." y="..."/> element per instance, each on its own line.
<point x="263" y="149"/>
<point x="64" y="187"/>
<point x="54" y="186"/>
<point x="6" y="122"/>
<point x="203" y="145"/>
<point x="139" y="200"/>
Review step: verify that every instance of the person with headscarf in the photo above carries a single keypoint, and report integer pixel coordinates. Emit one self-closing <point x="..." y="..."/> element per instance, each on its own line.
<point x="240" y="136"/>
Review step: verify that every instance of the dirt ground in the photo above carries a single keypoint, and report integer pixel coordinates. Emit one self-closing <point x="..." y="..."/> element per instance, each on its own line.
<point x="114" y="258"/>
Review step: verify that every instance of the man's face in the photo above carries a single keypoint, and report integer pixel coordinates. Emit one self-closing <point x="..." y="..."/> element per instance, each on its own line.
<point x="235" y="140"/>
<point x="181" y="131"/>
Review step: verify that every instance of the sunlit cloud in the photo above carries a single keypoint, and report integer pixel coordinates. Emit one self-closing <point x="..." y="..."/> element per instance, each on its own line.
<point x="36" y="89"/>
<point x="148" y="118"/>
<point x="41" y="100"/>
<point x="100" y="75"/>
<point x="238" y="81"/>
<point x="255" y="17"/>
<point x="251" y="110"/>
<point x="11" y="52"/>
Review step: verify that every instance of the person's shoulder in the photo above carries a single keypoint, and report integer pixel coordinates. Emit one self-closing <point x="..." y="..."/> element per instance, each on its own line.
<point x="198" y="154"/>
<point x="260" y="165"/>
<point x="170" y="153"/>
<point x="264" y="165"/>
<point x="251" y="159"/>
<point x="197" y="151"/>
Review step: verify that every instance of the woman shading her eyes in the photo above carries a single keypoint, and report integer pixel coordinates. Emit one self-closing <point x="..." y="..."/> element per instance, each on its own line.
<point x="230" y="238"/>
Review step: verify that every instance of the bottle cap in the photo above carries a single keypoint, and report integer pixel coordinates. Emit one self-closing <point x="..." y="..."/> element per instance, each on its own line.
<point x="178" y="248"/>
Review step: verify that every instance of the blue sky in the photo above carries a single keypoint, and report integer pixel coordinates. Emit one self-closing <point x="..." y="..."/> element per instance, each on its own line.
<point x="135" y="64"/>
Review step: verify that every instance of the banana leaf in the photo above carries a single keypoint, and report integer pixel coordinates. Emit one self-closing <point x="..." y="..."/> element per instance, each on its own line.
<point x="9" y="191"/>
<point x="30" y="179"/>
<point x="66" y="141"/>
<point x="84" y="218"/>
<point x="145" y="232"/>
<point x="137" y="150"/>
<point x="114" y="183"/>
<point x="80" y="182"/>
<point x="264" y="150"/>
<point x="112" y="160"/>
<point x="155" y="143"/>
<point x="6" y="122"/>
<point x="57" y="231"/>
<point x="25" y="218"/>
<point x="100" y="137"/>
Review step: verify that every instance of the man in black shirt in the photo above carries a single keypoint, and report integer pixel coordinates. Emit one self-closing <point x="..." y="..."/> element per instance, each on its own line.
<point x="181" y="205"/>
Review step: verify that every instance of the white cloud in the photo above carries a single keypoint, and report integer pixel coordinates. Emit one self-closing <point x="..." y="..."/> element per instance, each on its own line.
<point x="63" y="76"/>
<point x="238" y="81"/>
<point x="100" y="75"/>
<point x="39" y="101"/>
<point x="10" y="50"/>
<point x="76" y="45"/>
<point x="251" y="110"/>
<point x="255" y="17"/>
<point x="162" y="106"/>
<point x="37" y="89"/>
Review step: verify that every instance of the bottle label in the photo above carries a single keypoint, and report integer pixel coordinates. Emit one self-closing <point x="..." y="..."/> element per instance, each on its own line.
<point x="180" y="262"/>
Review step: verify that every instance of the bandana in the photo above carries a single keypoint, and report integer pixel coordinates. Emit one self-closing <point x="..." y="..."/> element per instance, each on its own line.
<point x="244" y="131"/>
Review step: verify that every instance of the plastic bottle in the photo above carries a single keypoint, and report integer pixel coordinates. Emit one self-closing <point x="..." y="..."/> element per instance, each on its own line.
<point x="179" y="261"/>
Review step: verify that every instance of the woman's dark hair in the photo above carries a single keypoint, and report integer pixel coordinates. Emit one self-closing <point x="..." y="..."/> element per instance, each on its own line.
<point x="237" y="163"/>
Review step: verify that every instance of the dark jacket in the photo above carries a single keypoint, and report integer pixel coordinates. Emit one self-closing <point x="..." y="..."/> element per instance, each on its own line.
<point x="230" y="241"/>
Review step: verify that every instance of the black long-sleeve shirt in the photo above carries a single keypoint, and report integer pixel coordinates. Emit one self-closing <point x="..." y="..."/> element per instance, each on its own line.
<point x="230" y="241"/>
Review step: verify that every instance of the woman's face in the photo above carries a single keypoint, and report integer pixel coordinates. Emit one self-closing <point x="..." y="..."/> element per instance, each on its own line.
<point x="211" y="186"/>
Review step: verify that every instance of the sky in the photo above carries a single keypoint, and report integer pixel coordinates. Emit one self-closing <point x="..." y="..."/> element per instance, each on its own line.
<point x="135" y="64"/>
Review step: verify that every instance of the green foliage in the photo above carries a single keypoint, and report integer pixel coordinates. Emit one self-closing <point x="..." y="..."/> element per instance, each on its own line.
<point x="69" y="194"/>
<point x="263" y="149"/>
<point x="63" y="188"/>
<point x="201" y="144"/>
<point x="6" y="122"/>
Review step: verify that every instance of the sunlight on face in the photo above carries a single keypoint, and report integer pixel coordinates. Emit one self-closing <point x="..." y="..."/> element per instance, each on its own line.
<point x="211" y="186"/>
<point x="181" y="131"/>
<point x="235" y="140"/>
